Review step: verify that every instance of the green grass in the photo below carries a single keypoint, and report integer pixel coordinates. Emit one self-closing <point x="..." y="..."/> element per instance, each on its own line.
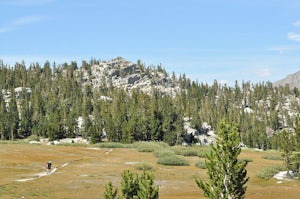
<point x="269" y="172"/>
<point x="33" y="138"/>
<point x="272" y="157"/>
<point x="172" y="161"/>
<point x="200" y="164"/>
<point x="144" y="166"/>
<point x="113" y="145"/>
<point x="199" y="151"/>
<point x="162" y="152"/>
<point x="13" y="142"/>
<point x="149" y="146"/>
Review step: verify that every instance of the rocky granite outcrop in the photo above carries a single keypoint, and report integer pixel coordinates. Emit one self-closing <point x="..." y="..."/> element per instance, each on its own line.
<point x="124" y="74"/>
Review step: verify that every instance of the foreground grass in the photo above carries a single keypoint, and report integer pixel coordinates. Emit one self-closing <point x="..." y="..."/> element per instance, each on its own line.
<point x="89" y="169"/>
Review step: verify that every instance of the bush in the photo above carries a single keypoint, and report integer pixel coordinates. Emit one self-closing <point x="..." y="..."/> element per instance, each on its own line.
<point x="112" y="145"/>
<point x="191" y="151"/>
<point x="272" y="157"/>
<point x="200" y="164"/>
<point x="13" y="142"/>
<point x="269" y="172"/>
<point x="149" y="146"/>
<point x="33" y="138"/>
<point x="145" y="166"/>
<point x="161" y="152"/>
<point x="145" y="149"/>
<point x="202" y="154"/>
<point x="172" y="161"/>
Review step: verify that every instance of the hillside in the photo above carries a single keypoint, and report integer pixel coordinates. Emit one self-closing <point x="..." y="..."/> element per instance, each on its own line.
<point x="293" y="80"/>
<point x="127" y="75"/>
<point x="127" y="102"/>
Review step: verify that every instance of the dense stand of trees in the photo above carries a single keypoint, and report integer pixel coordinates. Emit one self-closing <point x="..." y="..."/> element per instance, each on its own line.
<point x="55" y="96"/>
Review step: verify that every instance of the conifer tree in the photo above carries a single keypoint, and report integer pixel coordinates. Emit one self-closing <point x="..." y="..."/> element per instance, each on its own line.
<point x="226" y="174"/>
<point x="134" y="186"/>
<point x="147" y="188"/>
<point x="287" y="146"/>
<point x="110" y="192"/>
<point x="13" y="116"/>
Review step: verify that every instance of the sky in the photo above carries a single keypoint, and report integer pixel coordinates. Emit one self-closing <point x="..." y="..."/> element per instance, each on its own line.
<point x="208" y="40"/>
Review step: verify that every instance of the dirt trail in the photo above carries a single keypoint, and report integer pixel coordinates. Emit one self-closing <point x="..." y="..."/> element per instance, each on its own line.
<point x="38" y="175"/>
<point x="42" y="174"/>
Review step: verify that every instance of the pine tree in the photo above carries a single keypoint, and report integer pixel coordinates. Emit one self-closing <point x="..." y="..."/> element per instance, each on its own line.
<point x="134" y="186"/>
<point x="13" y="116"/>
<point x="110" y="192"/>
<point x="130" y="184"/>
<point x="226" y="174"/>
<point x="287" y="146"/>
<point x="147" y="188"/>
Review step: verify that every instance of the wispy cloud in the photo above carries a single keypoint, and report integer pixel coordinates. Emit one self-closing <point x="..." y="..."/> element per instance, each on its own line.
<point x="5" y="29"/>
<point x="21" y="22"/>
<point x="27" y="20"/>
<point x="283" y="49"/>
<point x="294" y="36"/>
<point x="296" y="23"/>
<point x="263" y="72"/>
<point x="27" y="2"/>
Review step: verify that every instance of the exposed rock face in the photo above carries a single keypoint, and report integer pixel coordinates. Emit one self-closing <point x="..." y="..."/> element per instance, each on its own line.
<point x="204" y="137"/>
<point x="127" y="75"/>
<point x="293" y="80"/>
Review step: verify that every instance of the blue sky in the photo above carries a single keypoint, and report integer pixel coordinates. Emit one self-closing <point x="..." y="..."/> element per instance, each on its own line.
<point x="223" y="40"/>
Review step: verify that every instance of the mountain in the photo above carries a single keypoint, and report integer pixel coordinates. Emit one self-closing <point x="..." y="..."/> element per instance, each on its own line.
<point x="293" y="80"/>
<point x="127" y="75"/>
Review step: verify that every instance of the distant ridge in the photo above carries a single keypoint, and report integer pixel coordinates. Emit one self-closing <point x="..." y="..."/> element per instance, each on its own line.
<point x="293" y="80"/>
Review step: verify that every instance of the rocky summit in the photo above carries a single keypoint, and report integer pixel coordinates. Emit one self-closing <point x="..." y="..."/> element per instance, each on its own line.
<point x="124" y="74"/>
<point x="293" y="80"/>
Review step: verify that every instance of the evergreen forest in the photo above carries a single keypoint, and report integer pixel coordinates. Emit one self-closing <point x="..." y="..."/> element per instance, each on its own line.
<point x="49" y="100"/>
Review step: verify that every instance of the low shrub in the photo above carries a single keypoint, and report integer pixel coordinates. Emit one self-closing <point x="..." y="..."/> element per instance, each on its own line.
<point x="269" y="172"/>
<point x="272" y="157"/>
<point x="13" y="142"/>
<point x="145" y="149"/>
<point x="199" y="151"/>
<point x="145" y="166"/>
<point x="112" y="145"/>
<point x="172" y="161"/>
<point x="71" y="144"/>
<point x="149" y="146"/>
<point x="33" y="138"/>
<point x="161" y="152"/>
<point x="202" y="154"/>
<point x="200" y="164"/>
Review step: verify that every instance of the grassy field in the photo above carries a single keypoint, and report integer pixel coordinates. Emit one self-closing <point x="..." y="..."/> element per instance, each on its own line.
<point x="83" y="172"/>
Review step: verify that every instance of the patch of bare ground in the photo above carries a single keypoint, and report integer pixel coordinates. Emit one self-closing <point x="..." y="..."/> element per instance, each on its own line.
<point x="83" y="172"/>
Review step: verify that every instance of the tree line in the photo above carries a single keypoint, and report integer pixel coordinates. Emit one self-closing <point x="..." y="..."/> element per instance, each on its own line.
<point x="55" y="96"/>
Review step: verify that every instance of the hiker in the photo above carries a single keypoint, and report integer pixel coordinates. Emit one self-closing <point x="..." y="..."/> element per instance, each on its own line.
<point x="48" y="166"/>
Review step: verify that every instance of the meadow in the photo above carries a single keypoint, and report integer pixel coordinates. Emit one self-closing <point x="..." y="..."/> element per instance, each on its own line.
<point x="84" y="170"/>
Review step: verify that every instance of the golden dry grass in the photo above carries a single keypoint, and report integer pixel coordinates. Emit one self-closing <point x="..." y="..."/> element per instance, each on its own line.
<point x="89" y="170"/>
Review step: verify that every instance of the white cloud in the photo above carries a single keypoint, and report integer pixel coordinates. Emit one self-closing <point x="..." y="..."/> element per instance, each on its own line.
<point x="263" y="72"/>
<point x="27" y="20"/>
<point x="296" y="23"/>
<point x="294" y="36"/>
<point x="283" y="49"/>
<point x="20" y="22"/>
